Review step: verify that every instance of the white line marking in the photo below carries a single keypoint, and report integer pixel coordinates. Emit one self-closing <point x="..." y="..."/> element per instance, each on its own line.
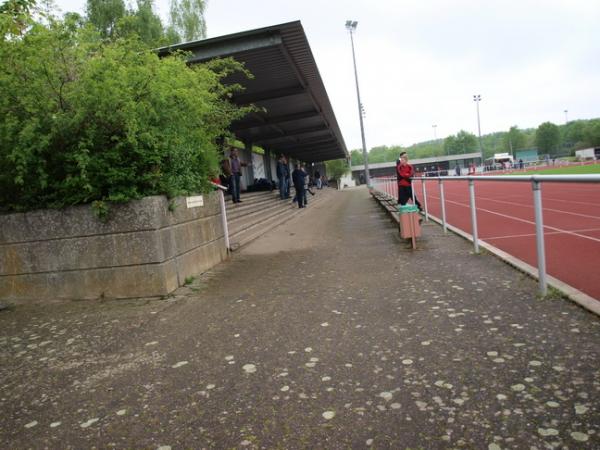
<point x="545" y="209"/>
<point x="533" y="234"/>
<point x="559" y="230"/>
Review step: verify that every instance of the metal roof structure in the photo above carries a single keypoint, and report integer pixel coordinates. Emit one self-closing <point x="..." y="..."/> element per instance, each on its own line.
<point x="298" y="119"/>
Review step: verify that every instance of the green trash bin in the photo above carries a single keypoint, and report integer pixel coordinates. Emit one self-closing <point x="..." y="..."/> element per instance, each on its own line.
<point x="405" y="209"/>
<point x="409" y="221"/>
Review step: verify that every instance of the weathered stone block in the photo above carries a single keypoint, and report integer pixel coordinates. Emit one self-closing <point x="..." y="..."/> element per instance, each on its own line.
<point x="144" y="249"/>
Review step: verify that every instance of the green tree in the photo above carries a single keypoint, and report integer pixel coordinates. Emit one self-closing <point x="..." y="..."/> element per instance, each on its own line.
<point x="104" y="15"/>
<point x="187" y="19"/>
<point x="84" y="121"/>
<point x="574" y="134"/>
<point x="377" y="154"/>
<point x="463" y="142"/>
<point x="144" y="23"/>
<point x="547" y="138"/>
<point x="450" y="145"/>
<point x="513" y="140"/>
<point x="592" y="133"/>
<point x="15" y="17"/>
<point x="337" y="168"/>
<point x="357" y="157"/>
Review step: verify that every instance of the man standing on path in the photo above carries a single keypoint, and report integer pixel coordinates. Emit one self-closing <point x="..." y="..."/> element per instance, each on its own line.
<point x="404" y="173"/>
<point x="298" y="176"/>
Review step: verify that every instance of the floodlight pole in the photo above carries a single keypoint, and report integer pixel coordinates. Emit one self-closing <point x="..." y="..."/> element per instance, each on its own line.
<point x="477" y="99"/>
<point x="351" y="27"/>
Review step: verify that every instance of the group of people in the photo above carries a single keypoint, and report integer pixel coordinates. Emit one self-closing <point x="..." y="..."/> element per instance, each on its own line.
<point x="231" y="173"/>
<point x="299" y="178"/>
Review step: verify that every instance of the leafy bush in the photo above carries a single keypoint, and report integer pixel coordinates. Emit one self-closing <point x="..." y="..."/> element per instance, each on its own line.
<point x="83" y="121"/>
<point x="337" y="168"/>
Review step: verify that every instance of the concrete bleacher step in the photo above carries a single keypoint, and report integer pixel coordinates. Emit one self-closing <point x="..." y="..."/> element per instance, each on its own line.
<point x="264" y="216"/>
<point x="256" y="215"/>
<point x="275" y="220"/>
<point x="389" y="203"/>
<point x="250" y="202"/>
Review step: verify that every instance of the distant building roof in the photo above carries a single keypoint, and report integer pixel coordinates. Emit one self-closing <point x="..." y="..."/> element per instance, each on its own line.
<point x="432" y="160"/>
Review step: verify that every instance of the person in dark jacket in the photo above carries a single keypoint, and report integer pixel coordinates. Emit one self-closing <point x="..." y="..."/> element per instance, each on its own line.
<point x="236" y="174"/>
<point x="298" y="176"/>
<point x="283" y="174"/>
<point x="404" y="173"/>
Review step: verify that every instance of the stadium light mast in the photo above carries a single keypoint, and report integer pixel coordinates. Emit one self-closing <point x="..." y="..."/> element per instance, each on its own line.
<point x="566" y="117"/>
<point x="351" y="27"/>
<point x="477" y="99"/>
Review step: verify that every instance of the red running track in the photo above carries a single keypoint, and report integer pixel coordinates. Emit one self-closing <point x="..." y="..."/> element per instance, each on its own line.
<point x="506" y="220"/>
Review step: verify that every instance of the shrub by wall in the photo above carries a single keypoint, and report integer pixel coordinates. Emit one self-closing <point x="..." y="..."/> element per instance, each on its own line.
<point x="86" y="121"/>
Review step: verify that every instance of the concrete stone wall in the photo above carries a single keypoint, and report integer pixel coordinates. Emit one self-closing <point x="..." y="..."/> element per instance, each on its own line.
<point x="143" y="249"/>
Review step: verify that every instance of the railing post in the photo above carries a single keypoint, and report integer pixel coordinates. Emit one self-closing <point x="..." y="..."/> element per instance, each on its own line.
<point x="224" y="218"/>
<point x="412" y="190"/>
<point x="473" y="215"/>
<point x="443" y="203"/>
<point x="424" y="189"/>
<point x="223" y="213"/>
<point x="539" y="236"/>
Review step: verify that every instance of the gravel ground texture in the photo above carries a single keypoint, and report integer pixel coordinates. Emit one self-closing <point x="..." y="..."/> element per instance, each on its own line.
<point x="328" y="332"/>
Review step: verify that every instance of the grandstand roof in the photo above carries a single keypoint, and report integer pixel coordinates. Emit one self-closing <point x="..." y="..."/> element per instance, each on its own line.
<point x="297" y="118"/>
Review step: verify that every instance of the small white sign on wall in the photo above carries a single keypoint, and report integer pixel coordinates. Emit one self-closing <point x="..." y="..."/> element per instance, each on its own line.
<point x="195" y="201"/>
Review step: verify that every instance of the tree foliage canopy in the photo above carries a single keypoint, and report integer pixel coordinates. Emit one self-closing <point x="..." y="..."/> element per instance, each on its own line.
<point x="572" y="136"/>
<point x="187" y="19"/>
<point x="547" y="138"/>
<point x="84" y="120"/>
<point x="113" y="20"/>
<point x="514" y="140"/>
<point x="337" y="168"/>
<point x="105" y="14"/>
<point x="463" y="142"/>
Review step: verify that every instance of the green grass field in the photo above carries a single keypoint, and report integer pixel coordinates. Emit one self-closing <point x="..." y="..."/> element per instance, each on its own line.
<point x="571" y="170"/>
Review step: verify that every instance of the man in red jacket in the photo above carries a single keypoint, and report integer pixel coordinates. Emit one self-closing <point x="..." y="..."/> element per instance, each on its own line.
<point x="404" y="172"/>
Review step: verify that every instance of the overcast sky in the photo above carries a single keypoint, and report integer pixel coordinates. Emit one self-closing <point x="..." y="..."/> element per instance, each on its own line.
<point x="421" y="61"/>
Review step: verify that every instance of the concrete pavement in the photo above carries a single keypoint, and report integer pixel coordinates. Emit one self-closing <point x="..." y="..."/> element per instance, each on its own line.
<point x="326" y="333"/>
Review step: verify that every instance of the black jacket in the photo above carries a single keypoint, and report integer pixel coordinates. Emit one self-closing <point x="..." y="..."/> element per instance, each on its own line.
<point x="298" y="177"/>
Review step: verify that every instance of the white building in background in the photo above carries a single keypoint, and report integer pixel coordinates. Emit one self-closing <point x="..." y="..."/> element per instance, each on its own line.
<point x="588" y="153"/>
<point x="346" y="181"/>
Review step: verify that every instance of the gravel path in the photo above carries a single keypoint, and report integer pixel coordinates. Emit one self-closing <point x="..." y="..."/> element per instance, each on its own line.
<point x="328" y="332"/>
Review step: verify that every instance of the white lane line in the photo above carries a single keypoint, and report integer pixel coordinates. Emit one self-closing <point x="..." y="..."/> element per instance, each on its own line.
<point x="570" y="201"/>
<point x="545" y="209"/>
<point x="562" y="200"/>
<point x="533" y="234"/>
<point x="559" y="230"/>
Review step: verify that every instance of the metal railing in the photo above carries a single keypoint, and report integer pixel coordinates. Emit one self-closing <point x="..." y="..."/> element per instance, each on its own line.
<point x="222" y="190"/>
<point x="388" y="186"/>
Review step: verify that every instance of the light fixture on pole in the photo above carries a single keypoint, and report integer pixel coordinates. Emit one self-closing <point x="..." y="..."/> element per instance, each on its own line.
<point x="566" y="117"/>
<point x="351" y="27"/>
<point x="434" y="133"/>
<point x="477" y="99"/>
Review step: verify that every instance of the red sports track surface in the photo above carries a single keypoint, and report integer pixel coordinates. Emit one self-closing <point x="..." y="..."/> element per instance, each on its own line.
<point x="505" y="218"/>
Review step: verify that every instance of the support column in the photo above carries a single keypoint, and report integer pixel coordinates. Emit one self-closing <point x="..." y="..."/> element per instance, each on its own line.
<point x="249" y="168"/>
<point x="267" y="163"/>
